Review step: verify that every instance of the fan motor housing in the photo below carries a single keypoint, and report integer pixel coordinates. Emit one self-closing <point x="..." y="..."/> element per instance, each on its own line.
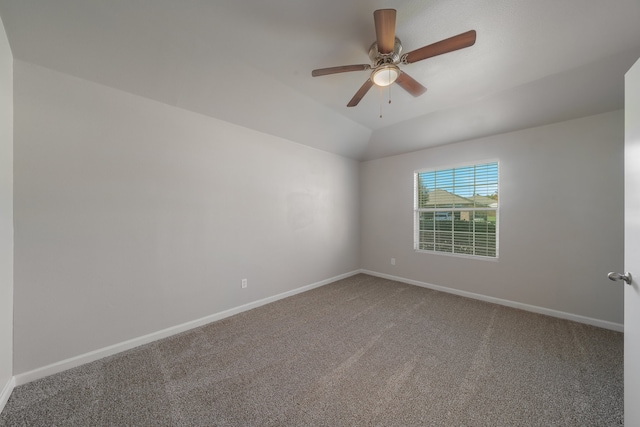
<point x="378" y="58"/>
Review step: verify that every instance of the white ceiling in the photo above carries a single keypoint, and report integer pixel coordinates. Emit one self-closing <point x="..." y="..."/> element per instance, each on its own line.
<point x="249" y="62"/>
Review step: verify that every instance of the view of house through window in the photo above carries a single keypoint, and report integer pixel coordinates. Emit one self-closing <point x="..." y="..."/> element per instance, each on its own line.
<point x="456" y="210"/>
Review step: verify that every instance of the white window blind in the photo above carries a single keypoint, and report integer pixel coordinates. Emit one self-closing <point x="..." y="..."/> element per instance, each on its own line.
<point x="456" y="210"/>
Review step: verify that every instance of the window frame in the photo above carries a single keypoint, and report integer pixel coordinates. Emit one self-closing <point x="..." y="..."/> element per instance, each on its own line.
<point x="417" y="211"/>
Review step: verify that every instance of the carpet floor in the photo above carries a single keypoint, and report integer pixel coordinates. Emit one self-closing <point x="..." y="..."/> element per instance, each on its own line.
<point x="362" y="351"/>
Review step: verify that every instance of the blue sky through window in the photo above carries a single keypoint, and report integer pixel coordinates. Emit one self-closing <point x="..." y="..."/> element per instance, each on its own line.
<point x="464" y="181"/>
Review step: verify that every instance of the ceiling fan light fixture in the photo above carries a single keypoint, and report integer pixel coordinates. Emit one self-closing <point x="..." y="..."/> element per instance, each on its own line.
<point x="385" y="75"/>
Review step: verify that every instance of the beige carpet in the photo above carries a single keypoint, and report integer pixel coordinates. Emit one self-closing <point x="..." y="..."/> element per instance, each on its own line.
<point x="363" y="351"/>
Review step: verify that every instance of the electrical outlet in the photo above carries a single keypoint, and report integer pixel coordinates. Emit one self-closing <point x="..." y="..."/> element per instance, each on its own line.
<point x="393" y="261"/>
<point x="244" y="283"/>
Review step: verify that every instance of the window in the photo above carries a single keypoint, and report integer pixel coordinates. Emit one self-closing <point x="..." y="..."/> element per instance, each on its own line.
<point x="456" y="210"/>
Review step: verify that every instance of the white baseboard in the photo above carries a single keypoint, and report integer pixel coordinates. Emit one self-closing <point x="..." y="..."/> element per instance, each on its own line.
<point x="6" y="392"/>
<point x="533" y="308"/>
<point x="91" y="356"/>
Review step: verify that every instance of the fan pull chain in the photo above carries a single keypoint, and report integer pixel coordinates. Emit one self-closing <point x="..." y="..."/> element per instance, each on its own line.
<point x="389" y="86"/>
<point x="380" y="102"/>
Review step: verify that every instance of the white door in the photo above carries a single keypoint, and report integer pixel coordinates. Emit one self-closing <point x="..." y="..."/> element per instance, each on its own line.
<point x="632" y="248"/>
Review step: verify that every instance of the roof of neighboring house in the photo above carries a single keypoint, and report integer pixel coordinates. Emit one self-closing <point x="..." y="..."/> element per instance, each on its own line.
<point x="444" y="198"/>
<point x="484" y="201"/>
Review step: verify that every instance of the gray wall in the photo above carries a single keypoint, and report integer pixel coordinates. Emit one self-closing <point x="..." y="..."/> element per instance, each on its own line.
<point x="6" y="210"/>
<point x="132" y="216"/>
<point x="561" y="217"/>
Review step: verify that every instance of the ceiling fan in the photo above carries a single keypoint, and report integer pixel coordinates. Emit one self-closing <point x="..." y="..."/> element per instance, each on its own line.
<point x="386" y="56"/>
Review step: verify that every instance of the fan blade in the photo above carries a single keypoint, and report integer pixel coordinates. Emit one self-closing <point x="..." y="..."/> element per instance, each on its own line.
<point x="444" y="46"/>
<point x="360" y="93"/>
<point x="408" y="83"/>
<point x="385" y="20"/>
<point x="340" y="69"/>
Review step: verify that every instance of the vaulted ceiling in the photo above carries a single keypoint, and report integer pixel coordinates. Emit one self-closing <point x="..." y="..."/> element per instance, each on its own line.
<point x="249" y="62"/>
